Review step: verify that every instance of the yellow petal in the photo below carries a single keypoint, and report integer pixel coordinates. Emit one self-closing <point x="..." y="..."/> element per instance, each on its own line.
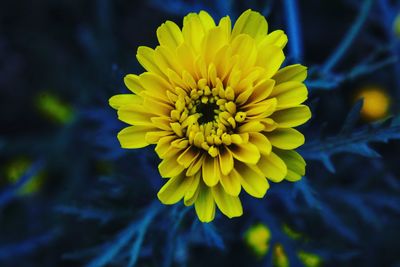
<point x="214" y="40"/>
<point x="164" y="144"/>
<point x="231" y="184"/>
<point x="169" y="167"/>
<point x="269" y="124"/>
<point x="205" y="205"/>
<point x="188" y="156"/>
<point x="286" y="138"/>
<point x="292" y="117"/>
<point x="195" y="166"/>
<point x="134" y="115"/>
<point x="210" y="171"/>
<point x="251" y="126"/>
<point x="277" y="38"/>
<point x="271" y="58"/>
<point x="245" y="47"/>
<point x="247" y="153"/>
<point x="289" y="94"/>
<point x="250" y="76"/>
<point x="251" y="23"/>
<point x="175" y="79"/>
<point x="294" y="72"/>
<point x="154" y="85"/>
<point x="225" y="160"/>
<point x="253" y="182"/>
<point x="261" y="91"/>
<point x="294" y="162"/>
<point x="200" y="67"/>
<point x="118" y="101"/>
<point x="145" y="56"/>
<point x="262" y="109"/>
<point x="132" y="83"/>
<point x="154" y="136"/>
<point x="175" y="189"/>
<point x="193" y="31"/>
<point x="244" y="96"/>
<point x="229" y="205"/>
<point x="224" y="61"/>
<point x="163" y="123"/>
<point x="189" y="80"/>
<point x="193" y="191"/>
<point x="169" y="35"/>
<point x="273" y="167"/>
<point x="261" y="142"/>
<point x="225" y="23"/>
<point x="185" y="56"/>
<point x="134" y="136"/>
<point x="166" y="59"/>
<point x="206" y="20"/>
<point x="158" y="108"/>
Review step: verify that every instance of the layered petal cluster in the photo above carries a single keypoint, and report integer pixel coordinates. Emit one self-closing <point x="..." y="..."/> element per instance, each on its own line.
<point x="219" y="109"/>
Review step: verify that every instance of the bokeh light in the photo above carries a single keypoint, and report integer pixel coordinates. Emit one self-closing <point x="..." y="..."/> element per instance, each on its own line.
<point x="396" y="25"/>
<point x="376" y="103"/>
<point x="257" y="238"/>
<point x="16" y="168"/>
<point x="54" y="108"/>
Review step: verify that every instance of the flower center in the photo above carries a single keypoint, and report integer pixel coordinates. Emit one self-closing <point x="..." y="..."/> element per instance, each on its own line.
<point x="207" y="116"/>
<point x="208" y="112"/>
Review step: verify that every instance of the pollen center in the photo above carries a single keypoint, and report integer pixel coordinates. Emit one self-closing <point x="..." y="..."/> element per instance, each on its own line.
<point x="208" y="112"/>
<point x="207" y="116"/>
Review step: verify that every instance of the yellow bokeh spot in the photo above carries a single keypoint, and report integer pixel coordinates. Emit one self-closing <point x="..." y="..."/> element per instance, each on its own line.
<point x="309" y="259"/>
<point x="16" y="168"/>
<point x="396" y="25"/>
<point x="52" y="107"/>
<point x="376" y="103"/>
<point x="257" y="237"/>
<point x="279" y="257"/>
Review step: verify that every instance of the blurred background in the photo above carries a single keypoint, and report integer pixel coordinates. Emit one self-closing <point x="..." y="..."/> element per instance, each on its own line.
<point x="70" y="196"/>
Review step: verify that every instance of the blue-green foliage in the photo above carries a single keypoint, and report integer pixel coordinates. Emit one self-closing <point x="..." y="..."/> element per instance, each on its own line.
<point x="99" y="207"/>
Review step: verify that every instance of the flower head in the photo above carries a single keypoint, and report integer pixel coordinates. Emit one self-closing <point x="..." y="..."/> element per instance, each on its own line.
<point x="219" y="109"/>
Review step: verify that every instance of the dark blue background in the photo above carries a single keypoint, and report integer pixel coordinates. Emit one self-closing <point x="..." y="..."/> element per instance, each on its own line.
<point x="98" y="205"/>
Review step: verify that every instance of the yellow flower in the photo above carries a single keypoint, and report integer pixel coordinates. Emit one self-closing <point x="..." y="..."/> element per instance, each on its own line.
<point x="257" y="237"/>
<point x="376" y="103"/>
<point x="219" y="109"/>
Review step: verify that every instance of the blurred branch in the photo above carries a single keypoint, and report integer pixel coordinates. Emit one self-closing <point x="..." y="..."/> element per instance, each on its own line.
<point x="85" y="213"/>
<point x="27" y="246"/>
<point x="172" y="235"/>
<point x="349" y="38"/>
<point x="294" y="29"/>
<point x="9" y="193"/>
<point x="331" y="81"/>
<point x="355" y="142"/>
<point x="225" y="7"/>
<point x="139" y="228"/>
<point x="177" y="7"/>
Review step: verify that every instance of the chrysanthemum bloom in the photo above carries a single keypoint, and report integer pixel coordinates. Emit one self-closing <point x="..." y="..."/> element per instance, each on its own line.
<point x="219" y="109"/>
